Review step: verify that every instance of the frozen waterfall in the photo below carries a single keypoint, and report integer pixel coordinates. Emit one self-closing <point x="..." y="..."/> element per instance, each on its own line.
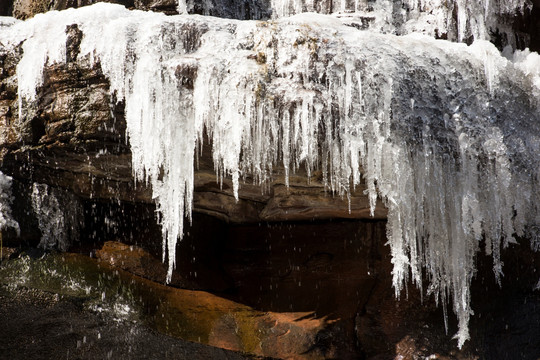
<point x="447" y="135"/>
<point x="455" y="20"/>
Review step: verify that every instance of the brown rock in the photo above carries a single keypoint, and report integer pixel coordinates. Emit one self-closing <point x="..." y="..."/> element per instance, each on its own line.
<point x="24" y="9"/>
<point x="276" y="202"/>
<point x="304" y="201"/>
<point x="201" y="317"/>
<point x="139" y="262"/>
<point x="6" y="252"/>
<point x="205" y="318"/>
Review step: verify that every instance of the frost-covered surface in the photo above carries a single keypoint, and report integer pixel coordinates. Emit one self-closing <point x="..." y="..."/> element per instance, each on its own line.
<point x="230" y="9"/>
<point x="6" y="199"/>
<point x="529" y="63"/>
<point x="446" y="134"/>
<point x="455" y="20"/>
<point x="58" y="213"/>
<point x="7" y="21"/>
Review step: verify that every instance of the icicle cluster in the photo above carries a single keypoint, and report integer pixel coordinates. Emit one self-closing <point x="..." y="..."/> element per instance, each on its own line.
<point x="455" y="20"/>
<point x="58" y="227"/>
<point x="446" y="134"/>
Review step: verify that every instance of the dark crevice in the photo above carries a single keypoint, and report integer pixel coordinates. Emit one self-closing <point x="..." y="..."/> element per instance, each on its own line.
<point x="362" y="311"/>
<point x="37" y="127"/>
<point x="534" y="27"/>
<point x="6" y="8"/>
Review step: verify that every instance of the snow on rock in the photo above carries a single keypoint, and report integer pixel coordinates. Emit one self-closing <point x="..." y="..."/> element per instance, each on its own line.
<point x="455" y="20"/>
<point x="446" y="134"/>
<point x="529" y="63"/>
<point x="7" y="21"/>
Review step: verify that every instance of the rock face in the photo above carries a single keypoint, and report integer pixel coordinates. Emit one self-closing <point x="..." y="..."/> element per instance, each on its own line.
<point x="190" y="315"/>
<point x="40" y="324"/>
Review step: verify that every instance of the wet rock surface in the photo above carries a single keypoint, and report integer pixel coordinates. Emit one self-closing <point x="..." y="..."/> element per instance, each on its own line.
<point x="130" y="301"/>
<point x="137" y="261"/>
<point x="505" y="324"/>
<point x="41" y="325"/>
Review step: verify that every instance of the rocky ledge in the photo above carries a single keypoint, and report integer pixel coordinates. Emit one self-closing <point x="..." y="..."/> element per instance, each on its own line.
<point x="71" y="139"/>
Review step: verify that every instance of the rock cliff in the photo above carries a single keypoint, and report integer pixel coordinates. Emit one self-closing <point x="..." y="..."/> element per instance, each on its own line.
<point x="325" y="250"/>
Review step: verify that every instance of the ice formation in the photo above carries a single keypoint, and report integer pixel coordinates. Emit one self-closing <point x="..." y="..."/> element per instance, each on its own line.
<point x="446" y="134"/>
<point x="58" y="227"/>
<point x="456" y="20"/>
<point x="6" y="199"/>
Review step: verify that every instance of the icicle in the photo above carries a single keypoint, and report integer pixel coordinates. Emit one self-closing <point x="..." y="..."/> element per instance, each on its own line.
<point x="182" y="7"/>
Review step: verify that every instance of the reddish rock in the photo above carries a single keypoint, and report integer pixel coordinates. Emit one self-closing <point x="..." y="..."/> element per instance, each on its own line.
<point x="205" y="318"/>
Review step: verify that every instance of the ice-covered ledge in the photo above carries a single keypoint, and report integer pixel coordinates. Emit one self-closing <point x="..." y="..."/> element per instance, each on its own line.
<point x="76" y="143"/>
<point x="503" y="22"/>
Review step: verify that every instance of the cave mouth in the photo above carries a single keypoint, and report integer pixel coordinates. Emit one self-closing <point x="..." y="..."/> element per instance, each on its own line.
<point x="323" y="266"/>
<point x="339" y="269"/>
